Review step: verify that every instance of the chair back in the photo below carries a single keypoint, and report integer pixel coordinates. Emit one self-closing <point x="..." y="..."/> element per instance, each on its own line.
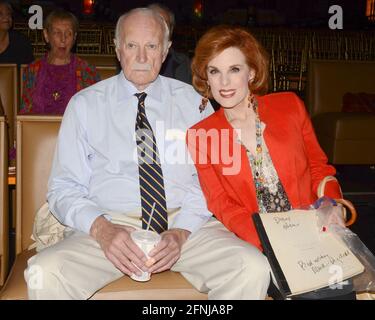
<point x="89" y="41"/>
<point x="4" y="214"/>
<point x="329" y="80"/>
<point x="100" y="59"/>
<point x="9" y="96"/>
<point x="36" y="139"/>
<point x="106" y="71"/>
<point x="109" y="45"/>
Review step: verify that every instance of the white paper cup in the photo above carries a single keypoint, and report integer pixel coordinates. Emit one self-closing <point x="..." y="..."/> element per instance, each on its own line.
<point x="146" y="240"/>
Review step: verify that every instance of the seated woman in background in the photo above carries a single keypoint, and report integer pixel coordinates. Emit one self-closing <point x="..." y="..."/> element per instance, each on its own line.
<point x="50" y="82"/>
<point x="14" y="46"/>
<point x="275" y="162"/>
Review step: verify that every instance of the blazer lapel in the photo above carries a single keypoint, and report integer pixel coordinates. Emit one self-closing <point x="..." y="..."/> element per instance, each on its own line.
<point x="242" y="182"/>
<point x="276" y="142"/>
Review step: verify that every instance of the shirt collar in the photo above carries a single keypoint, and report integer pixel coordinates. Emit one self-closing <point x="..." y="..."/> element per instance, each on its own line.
<point x="127" y="89"/>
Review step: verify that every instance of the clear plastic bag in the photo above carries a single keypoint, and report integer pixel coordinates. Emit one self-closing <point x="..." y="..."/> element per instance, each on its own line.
<point x="364" y="282"/>
<point x="329" y="214"/>
<point x="331" y="219"/>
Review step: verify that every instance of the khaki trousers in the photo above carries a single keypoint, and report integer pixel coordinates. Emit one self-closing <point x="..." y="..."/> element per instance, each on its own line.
<point x="213" y="260"/>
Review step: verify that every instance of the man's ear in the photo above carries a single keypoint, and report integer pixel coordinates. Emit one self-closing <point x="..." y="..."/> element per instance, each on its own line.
<point x="166" y="50"/>
<point x="117" y="50"/>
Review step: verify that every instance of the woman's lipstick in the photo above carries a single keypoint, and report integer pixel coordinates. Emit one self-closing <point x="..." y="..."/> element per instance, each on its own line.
<point x="227" y="93"/>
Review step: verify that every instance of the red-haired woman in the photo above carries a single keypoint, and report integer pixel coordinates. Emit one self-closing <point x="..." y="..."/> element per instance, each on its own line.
<point x="257" y="153"/>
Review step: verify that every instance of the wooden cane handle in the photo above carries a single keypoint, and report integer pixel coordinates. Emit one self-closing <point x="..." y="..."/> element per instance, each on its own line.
<point x="353" y="211"/>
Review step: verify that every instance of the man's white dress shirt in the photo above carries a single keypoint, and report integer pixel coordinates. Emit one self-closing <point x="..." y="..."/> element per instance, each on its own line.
<point x="95" y="167"/>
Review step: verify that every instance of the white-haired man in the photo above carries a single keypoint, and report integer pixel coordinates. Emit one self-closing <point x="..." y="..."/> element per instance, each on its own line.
<point x="101" y="191"/>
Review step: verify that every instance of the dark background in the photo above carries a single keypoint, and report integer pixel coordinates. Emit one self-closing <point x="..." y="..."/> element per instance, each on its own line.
<point x="291" y="13"/>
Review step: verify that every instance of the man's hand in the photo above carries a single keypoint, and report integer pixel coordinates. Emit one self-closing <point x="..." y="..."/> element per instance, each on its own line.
<point x="168" y="250"/>
<point x="118" y="246"/>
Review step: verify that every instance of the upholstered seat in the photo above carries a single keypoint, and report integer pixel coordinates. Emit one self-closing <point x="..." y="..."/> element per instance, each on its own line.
<point x="163" y="286"/>
<point x="36" y="136"/>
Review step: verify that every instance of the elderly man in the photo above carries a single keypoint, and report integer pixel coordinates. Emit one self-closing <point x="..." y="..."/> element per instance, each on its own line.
<point x="102" y="188"/>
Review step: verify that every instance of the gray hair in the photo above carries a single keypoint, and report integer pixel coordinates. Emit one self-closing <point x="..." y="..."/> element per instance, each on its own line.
<point x="145" y="11"/>
<point x="61" y="14"/>
<point x="161" y="7"/>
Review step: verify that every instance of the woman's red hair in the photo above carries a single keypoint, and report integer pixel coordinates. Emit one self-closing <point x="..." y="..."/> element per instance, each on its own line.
<point x="219" y="38"/>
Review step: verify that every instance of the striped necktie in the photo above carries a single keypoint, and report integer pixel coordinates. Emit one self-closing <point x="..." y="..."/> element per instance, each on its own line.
<point x="151" y="181"/>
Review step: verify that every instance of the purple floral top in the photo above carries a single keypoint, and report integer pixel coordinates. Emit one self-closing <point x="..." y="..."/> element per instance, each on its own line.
<point x="48" y="88"/>
<point x="55" y="85"/>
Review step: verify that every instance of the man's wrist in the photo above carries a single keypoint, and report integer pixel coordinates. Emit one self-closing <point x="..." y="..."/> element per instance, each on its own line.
<point x="98" y="224"/>
<point x="183" y="234"/>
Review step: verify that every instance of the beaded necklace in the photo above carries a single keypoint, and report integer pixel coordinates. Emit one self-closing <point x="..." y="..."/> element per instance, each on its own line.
<point x="269" y="191"/>
<point x="258" y="159"/>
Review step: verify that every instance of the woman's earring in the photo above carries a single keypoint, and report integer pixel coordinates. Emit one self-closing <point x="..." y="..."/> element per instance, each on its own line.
<point x="204" y="100"/>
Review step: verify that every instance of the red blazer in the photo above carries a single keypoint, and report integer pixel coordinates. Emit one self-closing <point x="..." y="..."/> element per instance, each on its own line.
<point x="298" y="159"/>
